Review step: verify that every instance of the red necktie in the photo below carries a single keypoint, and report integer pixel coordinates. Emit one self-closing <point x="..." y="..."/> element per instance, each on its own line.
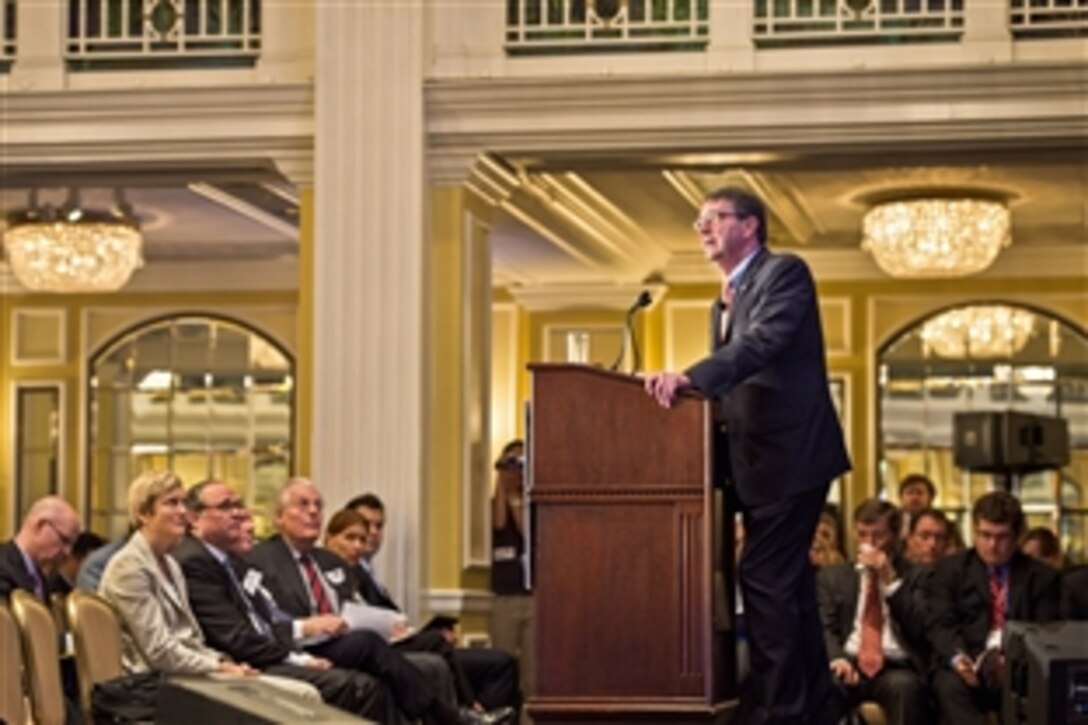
<point x="317" y="589"/>
<point x="999" y="591"/>
<point x="871" y="648"/>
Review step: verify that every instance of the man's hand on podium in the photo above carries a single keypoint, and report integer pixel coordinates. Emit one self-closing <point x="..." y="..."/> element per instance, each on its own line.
<point x="664" y="387"/>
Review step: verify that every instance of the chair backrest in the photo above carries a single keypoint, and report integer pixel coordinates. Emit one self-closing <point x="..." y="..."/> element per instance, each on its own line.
<point x="12" y="700"/>
<point x="41" y="656"/>
<point x="96" y="630"/>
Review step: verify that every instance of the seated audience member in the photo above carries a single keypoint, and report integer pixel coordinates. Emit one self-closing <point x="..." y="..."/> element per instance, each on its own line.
<point x="47" y="533"/>
<point x="45" y="537"/>
<point x="972" y="595"/>
<point x="928" y="538"/>
<point x="305" y="581"/>
<point x="826" y="549"/>
<point x="63" y="579"/>
<point x="238" y="623"/>
<point x="492" y="674"/>
<point x="873" y="617"/>
<point x="146" y="587"/>
<point x="1043" y="545"/>
<point x="1074" y="603"/>
<point x="916" y="494"/>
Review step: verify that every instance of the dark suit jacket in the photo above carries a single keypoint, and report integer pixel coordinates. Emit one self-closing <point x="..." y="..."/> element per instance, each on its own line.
<point x="783" y="435"/>
<point x="13" y="573"/>
<point x="222" y="612"/>
<point x="1075" y="593"/>
<point x="837" y="590"/>
<point x="369" y="590"/>
<point x="960" y="601"/>
<point x="284" y="581"/>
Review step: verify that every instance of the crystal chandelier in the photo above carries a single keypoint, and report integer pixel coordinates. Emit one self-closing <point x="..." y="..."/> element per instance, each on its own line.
<point x="936" y="237"/>
<point x="978" y="331"/>
<point x="72" y="249"/>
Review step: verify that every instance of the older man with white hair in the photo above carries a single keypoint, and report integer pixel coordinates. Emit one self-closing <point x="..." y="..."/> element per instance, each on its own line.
<point x="47" y="533"/>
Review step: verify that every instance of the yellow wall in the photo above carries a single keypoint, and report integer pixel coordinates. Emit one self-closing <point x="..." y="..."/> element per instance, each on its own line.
<point x="91" y="316"/>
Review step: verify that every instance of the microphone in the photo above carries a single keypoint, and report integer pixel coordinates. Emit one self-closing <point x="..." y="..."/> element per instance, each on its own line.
<point x="643" y="300"/>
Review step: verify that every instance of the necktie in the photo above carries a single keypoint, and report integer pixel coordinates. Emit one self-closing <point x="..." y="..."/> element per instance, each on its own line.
<point x="255" y="619"/>
<point x="727" y="309"/>
<point x="999" y="590"/>
<point x="871" y="648"/>
<point x="317" y="589"/>
<point x="39" y="588"/>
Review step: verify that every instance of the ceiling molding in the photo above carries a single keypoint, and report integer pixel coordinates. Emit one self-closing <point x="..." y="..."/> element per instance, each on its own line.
<point x="555" y="297"/>
<point x="244" y="208"/>
<point x="982" y="106"/>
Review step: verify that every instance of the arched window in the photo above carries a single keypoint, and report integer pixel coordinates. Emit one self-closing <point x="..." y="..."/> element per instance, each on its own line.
<point x="986" y="357"/>
<point x="202" y="396"/>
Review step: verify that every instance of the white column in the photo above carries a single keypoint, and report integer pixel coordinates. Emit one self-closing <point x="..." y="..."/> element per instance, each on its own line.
<point x="986" y="36"/>
<point x="369" y="268"/>
<point x="39" y="49"/>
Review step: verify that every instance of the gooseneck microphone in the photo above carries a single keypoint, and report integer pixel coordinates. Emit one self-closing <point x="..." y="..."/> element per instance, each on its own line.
<point x="643" y="300"/>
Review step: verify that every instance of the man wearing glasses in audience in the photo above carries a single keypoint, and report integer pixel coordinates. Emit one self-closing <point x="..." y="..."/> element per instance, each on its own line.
<point x="46" y="535"/>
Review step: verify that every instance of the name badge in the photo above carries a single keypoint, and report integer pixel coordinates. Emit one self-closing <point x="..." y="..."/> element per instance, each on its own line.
<point x="336" y="576"/>
<point x="252" y="581"/>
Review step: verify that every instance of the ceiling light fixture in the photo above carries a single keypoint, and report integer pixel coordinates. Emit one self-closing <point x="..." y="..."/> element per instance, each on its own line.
<point x="71" y="248"/>
<point x="936" y="237"/>
<point x="978" y="331"/>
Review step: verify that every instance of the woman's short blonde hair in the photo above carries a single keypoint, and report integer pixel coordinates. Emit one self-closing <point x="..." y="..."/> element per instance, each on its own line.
<point x="146" y="490"/>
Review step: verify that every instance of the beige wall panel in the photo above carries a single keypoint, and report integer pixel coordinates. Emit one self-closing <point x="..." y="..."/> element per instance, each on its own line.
<point x="38" y="336"/>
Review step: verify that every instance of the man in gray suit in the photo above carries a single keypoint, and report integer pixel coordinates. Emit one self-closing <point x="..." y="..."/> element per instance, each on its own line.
<point x="782" y="446"/>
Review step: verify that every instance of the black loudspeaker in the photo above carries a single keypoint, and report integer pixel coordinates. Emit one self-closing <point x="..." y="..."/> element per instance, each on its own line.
<point x="1046" y="674"/>
<point x="240" y="701"/>
<point x="1009" y="441"/>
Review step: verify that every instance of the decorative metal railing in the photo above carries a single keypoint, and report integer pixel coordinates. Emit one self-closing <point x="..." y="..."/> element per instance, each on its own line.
<point x="840" y="22"/>
<point x="1048" y="18"/>
<point x="563" y="26"/>
<point x="146" y="30"/>
<point x="7" y="32"/>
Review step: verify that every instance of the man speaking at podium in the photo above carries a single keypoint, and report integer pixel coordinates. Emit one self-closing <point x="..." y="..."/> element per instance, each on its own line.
<point x="782" y="443"/>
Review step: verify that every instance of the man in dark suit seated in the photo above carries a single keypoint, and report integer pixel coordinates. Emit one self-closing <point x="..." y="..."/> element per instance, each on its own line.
<point x="237" y="622"/>
<point x="873" y="620"/>
<point x="45" y="536"/>
<point x="47" y="533"/>
<point x="307" y="581"/>
<point x="927" y="538"/>
<point x="492" y="673"/>
<point x="972" y="595"/>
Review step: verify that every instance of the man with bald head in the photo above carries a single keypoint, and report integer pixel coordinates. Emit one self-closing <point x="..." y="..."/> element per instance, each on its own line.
<point x="46" y="535"/>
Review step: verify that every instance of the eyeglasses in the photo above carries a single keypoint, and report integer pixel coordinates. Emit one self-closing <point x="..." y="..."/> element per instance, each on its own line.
<point x="704" y="219"/>
<point x="65" y="539"/>
<point x="231" y="505"/>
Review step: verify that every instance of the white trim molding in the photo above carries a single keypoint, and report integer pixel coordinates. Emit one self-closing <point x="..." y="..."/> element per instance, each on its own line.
<point x="24" y="315"/>
<point x="456" y="601"/>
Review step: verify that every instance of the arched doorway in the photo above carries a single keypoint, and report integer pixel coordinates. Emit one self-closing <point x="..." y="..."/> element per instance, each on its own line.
<point x="198" y="394"/>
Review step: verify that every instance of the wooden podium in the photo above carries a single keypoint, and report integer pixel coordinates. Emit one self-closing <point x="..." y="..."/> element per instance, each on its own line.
<point x="633" y="602"/>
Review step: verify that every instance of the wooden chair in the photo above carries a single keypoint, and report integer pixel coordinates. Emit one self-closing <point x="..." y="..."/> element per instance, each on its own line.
<point x="12" y="699"/>
<point x="40" y="655"/>
<point x="97" y="633"/>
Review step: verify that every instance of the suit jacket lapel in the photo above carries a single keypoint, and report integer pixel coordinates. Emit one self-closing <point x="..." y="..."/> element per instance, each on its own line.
<point x="1019" y="602"/>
